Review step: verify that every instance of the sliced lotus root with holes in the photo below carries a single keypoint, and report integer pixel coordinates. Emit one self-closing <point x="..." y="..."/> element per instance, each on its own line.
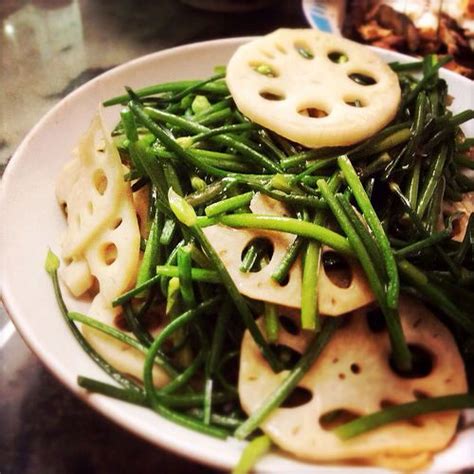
<point x="465" y="208"/>
<point x="90" y="187"/>
<point x="121" y="356"/>
<point x="353" y="377"/>
<point x="295" y="83"/>
<point x="339" y="292"/>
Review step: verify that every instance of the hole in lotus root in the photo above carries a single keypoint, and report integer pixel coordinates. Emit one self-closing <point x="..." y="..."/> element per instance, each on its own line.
<point x="338" y="57"/>
<point x="116" y="224"/>
<point x="354" y="102"/>
<point x="287" y="355"/>
<point x="153" y="318"/>
<point x="362" y="79"/>
<point x="337" y="269"/>
<point x="267" y="95"/>
<point x="313" y="112"/>
<point x="100" y="181"/>
<point x="264" y="69"/>
<point x="94" y="289"/>
<point x="335" y="418"/>
<point x="355" y="368"/>
<point x="304" y="50"/>
<point x="457" y="224"/>
<point x="376" y="320"/>
<point x="422" y="363"/>
<point x="289" y="325"/>
<point x="109" y="253"/>
<point x="262" y="250"/>
<point x="121" y="323"/>
<point x="298" y="397"/>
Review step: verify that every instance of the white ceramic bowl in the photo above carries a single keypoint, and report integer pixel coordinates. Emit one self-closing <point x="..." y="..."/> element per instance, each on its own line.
<point x="31" y="221"/>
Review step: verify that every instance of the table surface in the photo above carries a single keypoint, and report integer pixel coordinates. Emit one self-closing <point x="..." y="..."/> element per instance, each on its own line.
<point x="47" y="49"/>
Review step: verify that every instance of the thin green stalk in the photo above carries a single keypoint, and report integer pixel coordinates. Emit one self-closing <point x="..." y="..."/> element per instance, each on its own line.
<point x="250" y="257"/>
<point x="270" y="316"/>
<point x="240" y="127"/>
<point x="197" y="274"/>
<point x="400" y="349"/>
<point x="185" y="277"/>
<point x="198" y="128"/>
<point x="135" y="325"/>
<point x="281" y="272"/>
<point x="151" y="393"/>
<point x="434" y="295"/>
<point x="51" y="266"/>
<point x="375" y="225"/>
<point x="151" y="256"/>
<point x="403" y="412"/>
<point x="422" y="244"/>
<point x="252" y="453"/>
<point x="229" y="204"/>
<point x="434" y="174"/>
<point x="215" y="353"/>
<point x="290" y="225"/>
<point x="176" y="86"/>
<point x="161" y="359"/>
<point x="360" y="226"/>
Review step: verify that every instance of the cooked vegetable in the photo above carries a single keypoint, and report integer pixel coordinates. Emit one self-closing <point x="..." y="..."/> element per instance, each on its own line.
<point x="236" y="222"/>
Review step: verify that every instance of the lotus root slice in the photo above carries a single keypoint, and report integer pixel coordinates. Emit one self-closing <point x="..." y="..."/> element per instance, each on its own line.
<point x="338" y="292"/>
<point x="353" y="377"/>
<point x="314" y="99"/>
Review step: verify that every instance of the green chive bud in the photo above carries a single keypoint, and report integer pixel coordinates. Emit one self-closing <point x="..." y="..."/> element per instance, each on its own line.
<point x="184" y="142"/>
<point x="197" y="183"/>
<point x="172" y="298"/>
<point x="181" y="209"/>
<point x="265" y="70"/>
<point x="51" y="264"/>
<point x="281" y="182"/>
<point x="200" y="104"/>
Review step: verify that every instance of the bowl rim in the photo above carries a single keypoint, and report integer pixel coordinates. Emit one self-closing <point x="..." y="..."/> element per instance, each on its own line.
<point x="104" y="405"/>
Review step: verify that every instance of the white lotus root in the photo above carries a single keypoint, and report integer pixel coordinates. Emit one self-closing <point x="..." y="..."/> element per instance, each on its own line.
<point x="348" y="293"/>
<point x="294" y="83"/>
<point x="102" y="241"/>
<point x="353" y="377"/>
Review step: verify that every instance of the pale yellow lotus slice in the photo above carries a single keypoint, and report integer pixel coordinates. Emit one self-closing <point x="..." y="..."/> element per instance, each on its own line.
<point x="310" y="98"/>
<point x="90" y="187"/>
<point x="336" y="296"/>
<point x="354" y="374"/>
<point x="102" y="241"/>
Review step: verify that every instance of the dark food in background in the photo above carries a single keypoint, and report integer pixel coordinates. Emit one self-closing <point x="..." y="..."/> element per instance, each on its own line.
<point x="377" y="24"/>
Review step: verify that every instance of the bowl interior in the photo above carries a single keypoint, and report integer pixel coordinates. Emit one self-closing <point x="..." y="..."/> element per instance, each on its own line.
<point x="32" y="222"/>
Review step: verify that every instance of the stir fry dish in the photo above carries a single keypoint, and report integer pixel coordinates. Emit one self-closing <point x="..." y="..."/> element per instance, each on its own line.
<point x="282" y="253"/>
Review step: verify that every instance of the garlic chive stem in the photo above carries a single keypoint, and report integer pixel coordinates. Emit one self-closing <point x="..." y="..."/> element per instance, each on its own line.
<point x="290" y="225"/>
<point x="229" y="204"/>
<point x="376" y="227"/>
<point x="161" y="359"/>
<point x="252" y="452"/>
<point x="403" y="412"/>
<point x="400" y="349"/>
